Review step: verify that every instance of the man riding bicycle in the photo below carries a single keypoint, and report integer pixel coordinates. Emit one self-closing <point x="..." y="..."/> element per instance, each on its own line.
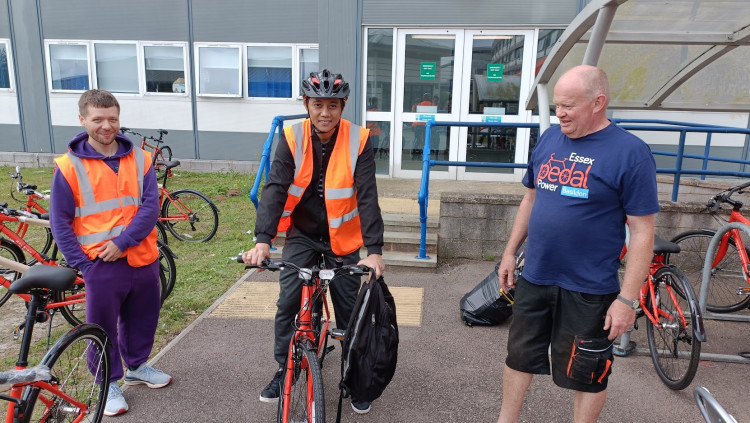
<point x="322" y="192"/>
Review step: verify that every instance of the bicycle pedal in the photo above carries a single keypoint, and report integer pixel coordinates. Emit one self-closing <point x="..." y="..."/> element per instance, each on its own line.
<point x="338" y="334"/>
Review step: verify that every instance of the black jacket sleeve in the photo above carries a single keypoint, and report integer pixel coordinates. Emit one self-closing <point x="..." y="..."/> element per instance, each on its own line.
<point x="274" y="193"/>
<point x="367" y="201"/>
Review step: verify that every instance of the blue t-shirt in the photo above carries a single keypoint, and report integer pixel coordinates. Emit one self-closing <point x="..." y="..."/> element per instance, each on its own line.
<point x="585" y="187"/>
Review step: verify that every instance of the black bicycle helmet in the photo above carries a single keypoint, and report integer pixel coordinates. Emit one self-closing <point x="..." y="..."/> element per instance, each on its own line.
<point x="325" y="84"/>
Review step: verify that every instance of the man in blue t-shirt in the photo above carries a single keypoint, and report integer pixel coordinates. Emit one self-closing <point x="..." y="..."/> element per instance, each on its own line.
<point x="586" y="177"/>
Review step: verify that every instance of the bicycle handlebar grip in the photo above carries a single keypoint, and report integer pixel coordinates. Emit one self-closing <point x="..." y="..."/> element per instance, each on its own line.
<point x="124" y="129"/>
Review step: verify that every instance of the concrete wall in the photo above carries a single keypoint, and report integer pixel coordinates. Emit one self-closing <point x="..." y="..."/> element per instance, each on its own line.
<point x="477" y="226"/>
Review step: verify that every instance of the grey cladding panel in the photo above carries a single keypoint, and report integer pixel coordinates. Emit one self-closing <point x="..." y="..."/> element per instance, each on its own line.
<point x="468" y="13"/>
<point x="10" y="138"/>
<point x="287" y="21"/>
<point x="232" y="145"/>
<point x="162" y="20"/>
<point x="4" y="28"/>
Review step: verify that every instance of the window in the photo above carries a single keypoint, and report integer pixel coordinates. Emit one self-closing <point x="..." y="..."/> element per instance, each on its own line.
<point x="69" y="66"/>
<point x="164" y="69"/>
<point x="308" y="62"/>
<point x="4" y="66"/>
<point x="269" y="71"/>
<point x="219" y="71"/>
<point x="117" y="67"/>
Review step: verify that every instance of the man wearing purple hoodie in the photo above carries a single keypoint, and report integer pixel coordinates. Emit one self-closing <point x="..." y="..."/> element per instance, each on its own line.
<point x="103" y="213"/>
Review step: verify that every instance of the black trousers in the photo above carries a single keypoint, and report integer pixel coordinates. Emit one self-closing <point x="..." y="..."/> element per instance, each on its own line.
<point x="304" y="251"/>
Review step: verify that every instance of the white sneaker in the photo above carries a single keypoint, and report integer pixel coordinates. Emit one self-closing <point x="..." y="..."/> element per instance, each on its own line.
<point x="147" y="375"/>
<point x="116" y="403"/>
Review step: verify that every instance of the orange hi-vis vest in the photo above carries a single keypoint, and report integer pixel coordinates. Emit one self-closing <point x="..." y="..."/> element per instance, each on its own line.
<point x="106" y="202"/>
<point x="340" y="193"/>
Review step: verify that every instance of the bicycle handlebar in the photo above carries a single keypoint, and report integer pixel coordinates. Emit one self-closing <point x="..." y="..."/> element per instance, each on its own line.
<point x="726" y="197"/>
<point x="276" y="265"/>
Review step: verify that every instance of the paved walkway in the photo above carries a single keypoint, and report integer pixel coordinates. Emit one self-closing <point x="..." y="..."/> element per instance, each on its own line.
<point x="447" y="372"/>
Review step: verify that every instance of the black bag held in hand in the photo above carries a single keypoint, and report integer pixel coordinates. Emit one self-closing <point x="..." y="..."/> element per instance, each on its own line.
<point x="370" y="350"/>
<point x="485" y="305"/>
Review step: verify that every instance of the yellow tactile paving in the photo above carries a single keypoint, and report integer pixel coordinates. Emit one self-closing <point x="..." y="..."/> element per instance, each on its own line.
<point x="257" y="300"/>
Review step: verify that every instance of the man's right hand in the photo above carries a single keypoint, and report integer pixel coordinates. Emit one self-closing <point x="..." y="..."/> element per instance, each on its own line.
<point x="505" y="272"/>
<point x="257" y="254"/>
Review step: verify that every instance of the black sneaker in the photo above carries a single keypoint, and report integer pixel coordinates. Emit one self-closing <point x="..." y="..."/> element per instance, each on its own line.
<point x="271" y="391"/>
<point x="361" y="407"/>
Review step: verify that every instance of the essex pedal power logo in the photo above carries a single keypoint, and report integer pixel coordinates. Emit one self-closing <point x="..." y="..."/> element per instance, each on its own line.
<point x="569" y="175"/>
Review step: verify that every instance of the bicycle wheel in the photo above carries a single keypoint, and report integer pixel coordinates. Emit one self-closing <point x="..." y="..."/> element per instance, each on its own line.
<point x="302" y="388"/>
<point x="166" y="153"/>
<point x="675" y="350"/>
<point x="167" y="271"/>
<point x="190" y="216"/>
<point x="80" y="367"/>
<point x="74" y="313"/>
<point x="9" y="251"/>
<point x="726" y="277"/>
<point x="161" y="232"/>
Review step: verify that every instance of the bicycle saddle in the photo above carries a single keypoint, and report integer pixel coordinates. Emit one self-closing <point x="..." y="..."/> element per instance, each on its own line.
<point x="44" y="276"/>
<point x="662" y="246"/>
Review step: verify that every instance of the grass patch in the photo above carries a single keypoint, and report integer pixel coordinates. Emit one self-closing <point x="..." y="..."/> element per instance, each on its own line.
<point x="204" y="270"/>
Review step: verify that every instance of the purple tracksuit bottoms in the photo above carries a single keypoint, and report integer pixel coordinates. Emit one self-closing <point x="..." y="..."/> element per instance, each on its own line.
<point x="125" y="301"/>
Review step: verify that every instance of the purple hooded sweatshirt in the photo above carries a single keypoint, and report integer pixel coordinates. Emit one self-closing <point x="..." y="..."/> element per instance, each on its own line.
<point x="62" y="205"/>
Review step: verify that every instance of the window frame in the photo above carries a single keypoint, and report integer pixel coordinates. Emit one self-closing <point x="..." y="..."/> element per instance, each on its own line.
<point x="95" y="73"/>
<point x="240" y="72"/>
<point x="185" y="68"/>
<point x="297" y="71"/>
<point x="48" y="64"/>
<point x="11" y="75"/>
<point x="246" y="76"/>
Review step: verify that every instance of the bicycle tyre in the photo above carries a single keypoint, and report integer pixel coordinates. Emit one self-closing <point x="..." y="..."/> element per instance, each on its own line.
<point x="166" y="153"/>
<point x="167" y="271"/>
<point x="161" y="232"/>
<point x="201" y="222"/>
<point x="75" y="314"/>
<point x="305" y="375"/>
<point x="80" y="367"/>
<point x="726" y="277"/>
<point x="10" y="251"/>
<point x="675" y="350"/>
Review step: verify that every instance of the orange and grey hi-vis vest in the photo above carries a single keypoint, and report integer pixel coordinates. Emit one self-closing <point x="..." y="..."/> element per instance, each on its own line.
<point x="340" y="192"/>
<point x="106" y="202"/>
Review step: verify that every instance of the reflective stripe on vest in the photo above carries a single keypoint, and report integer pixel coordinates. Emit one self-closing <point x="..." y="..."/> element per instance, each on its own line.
<point x="90" y="205"/>
<point x="340" y="192"/>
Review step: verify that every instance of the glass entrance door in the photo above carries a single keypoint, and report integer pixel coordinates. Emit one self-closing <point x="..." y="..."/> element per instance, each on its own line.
<point x="494" y="86"/>
<point x="428" y="82"/>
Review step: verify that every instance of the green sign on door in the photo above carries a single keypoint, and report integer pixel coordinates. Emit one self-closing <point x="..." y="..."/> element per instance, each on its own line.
<point x="494" y="71"/>
<point x="427" y="70"/>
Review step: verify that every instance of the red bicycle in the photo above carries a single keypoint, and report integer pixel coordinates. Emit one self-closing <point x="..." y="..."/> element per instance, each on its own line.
<point x="302" y="398"/>
<point x="729" y="287"/>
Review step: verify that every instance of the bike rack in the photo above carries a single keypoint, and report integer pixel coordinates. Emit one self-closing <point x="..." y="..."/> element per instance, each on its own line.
<point x="706" y="275"/>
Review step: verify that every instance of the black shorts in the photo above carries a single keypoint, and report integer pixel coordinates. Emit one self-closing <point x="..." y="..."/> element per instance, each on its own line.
<point x="572" y="324"/>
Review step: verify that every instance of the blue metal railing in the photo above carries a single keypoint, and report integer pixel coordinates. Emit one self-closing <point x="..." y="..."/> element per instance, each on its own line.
<point x="264" y="166"/>
<point x="629" y="124"/>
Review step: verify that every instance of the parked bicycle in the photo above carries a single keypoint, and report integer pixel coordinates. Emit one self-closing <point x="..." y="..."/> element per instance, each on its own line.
<point x="674" y="324"/>
<point x="302" y="394"/>
<point x="187" y="214"/>
<point x="71" y="381"/>
<point x="159" y="153"/>
<point x="729" y="286"/>
<point x="38" y="236"/>
<point x="70" y="302"/>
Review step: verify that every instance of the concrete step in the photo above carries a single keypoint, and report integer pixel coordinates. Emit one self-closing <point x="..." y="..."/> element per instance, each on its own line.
<point x="397" y="241"/>
<point x="404" y="222"/>
<point x="393" y="259"/>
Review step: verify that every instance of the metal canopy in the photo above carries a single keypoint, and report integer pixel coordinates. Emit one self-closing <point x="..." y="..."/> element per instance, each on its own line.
<point x="659" y="55"/>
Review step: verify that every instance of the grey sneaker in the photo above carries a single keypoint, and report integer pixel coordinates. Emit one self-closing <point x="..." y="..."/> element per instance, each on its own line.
<point x="147" y="375"/>
<point x="272" y="390"/>
<point x="115" y="401"/>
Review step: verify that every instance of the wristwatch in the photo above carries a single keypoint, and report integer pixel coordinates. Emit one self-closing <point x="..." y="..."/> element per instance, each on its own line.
<point x="632" y="304"/>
